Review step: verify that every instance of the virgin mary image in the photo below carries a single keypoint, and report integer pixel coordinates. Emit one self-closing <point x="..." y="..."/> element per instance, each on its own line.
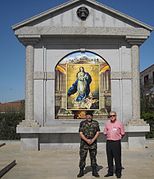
<point x="81" y="86"/>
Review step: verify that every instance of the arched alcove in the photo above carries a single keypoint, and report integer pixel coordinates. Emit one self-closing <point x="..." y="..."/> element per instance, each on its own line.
<point x="82" y="84"/>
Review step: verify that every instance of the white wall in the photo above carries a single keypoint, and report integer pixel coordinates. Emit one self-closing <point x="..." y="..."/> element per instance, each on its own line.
<point x="112" y="50"/>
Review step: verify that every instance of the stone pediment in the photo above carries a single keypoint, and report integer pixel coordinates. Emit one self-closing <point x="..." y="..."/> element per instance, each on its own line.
<point x="65" y="16"/>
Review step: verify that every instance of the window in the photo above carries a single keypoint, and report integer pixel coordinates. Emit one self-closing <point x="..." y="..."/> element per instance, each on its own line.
<point x="146" y="79"/>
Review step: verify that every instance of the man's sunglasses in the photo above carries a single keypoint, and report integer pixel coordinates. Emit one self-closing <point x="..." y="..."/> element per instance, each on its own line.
<point x="112" y="115"/>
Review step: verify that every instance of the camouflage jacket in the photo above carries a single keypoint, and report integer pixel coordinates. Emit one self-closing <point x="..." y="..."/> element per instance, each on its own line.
<point x="89" y="129"/>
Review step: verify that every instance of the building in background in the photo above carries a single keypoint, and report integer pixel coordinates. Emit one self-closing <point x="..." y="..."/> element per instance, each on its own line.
<point x="147" y="88"/>
<point x="14" y="106"/>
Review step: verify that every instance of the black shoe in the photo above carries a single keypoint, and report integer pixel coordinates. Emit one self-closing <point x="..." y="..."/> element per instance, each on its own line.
<point x="118" y="175"/>
<point x="81" y="173"/>
<point x="94" y="172"/>
<point x="108" y="175"/>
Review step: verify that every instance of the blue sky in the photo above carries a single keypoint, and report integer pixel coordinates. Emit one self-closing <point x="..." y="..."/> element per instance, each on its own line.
<point x="12" y="53"/>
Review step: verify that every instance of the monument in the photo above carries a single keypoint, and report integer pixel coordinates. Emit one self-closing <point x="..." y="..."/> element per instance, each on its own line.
<point x="80" y="56"/>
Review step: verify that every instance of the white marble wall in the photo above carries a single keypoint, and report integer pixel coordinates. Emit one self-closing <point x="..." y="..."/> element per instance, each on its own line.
<point x="45" y="59"/>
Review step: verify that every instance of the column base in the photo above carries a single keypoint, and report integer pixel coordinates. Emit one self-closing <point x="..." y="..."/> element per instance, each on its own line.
<point x="29" y="141"/>
<point x="28" y="123"/>
<point x="136" y="130"/>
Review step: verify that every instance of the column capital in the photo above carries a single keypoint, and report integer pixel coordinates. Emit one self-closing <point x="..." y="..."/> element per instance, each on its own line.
<point x="135" y="40"/>
<point x="29" y="39"/>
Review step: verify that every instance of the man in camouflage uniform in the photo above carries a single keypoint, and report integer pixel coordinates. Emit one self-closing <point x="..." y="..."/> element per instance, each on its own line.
<point x="89" y="131"/>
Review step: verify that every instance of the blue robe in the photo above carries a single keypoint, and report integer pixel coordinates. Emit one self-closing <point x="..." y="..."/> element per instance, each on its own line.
<point x="73" y="88"/>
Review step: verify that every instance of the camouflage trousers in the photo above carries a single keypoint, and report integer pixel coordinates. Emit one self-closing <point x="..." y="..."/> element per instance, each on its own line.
<point x="84" y="148"/>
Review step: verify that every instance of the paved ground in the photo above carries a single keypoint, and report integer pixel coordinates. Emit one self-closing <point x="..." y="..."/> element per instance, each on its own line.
<point x="63" y="164"/>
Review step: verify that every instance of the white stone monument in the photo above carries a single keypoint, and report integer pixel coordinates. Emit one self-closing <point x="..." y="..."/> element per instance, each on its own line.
<point x="80" y="26"/>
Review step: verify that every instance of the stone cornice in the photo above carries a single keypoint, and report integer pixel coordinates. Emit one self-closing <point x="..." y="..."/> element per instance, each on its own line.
<point x="51" y="75"/>
<point x="39" y="75"/>
<point x="29" y="39"/>
<point x="121" y="75"/>
<point x="103" y="31"/>
<point x="44" y="75"/>
<point x="136" y="40"/>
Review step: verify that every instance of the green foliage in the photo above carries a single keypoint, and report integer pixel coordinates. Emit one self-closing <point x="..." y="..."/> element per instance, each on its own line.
<point x="147" y="106"/>
<point x="8" y="123"/>
<point x="147" y="103"/>
<point x="149" y="118"/>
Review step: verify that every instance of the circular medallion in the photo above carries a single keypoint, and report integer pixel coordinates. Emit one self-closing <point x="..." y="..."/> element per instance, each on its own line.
<point x="82" y="13"/>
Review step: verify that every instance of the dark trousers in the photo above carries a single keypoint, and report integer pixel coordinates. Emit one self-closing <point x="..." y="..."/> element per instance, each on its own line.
<point x="113" y="151"/>
<point x="83" y="155"/>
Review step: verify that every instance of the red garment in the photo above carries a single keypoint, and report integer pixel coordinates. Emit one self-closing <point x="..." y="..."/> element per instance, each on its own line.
<point x="114" y="130"/>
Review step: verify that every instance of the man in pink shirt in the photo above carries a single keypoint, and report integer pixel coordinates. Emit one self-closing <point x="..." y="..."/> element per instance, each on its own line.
<point x="114" y="131"/>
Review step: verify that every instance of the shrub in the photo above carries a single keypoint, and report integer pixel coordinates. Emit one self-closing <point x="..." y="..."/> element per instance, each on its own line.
<point x="8" y="123"/>
<point x="149" y="118"/>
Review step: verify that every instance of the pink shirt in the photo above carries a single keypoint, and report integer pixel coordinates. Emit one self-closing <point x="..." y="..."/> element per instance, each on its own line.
<point x="114" y="131"/>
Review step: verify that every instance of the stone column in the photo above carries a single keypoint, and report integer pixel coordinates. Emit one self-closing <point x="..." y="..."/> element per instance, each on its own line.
<point x="29" y="42"/>
<point x="29" y="86"/>
<point x="135" y="81"/>
<point x="29" y="141"/>
<point x="136" y="128"/>
<point x="135" y="42"/>
<point x="107" y="80"/>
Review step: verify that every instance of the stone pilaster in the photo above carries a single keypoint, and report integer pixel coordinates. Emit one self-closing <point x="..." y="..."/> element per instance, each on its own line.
<point x="136" y="128"/>
<point x="29" y="101"/>
<point x="29" y="86"/>
<point x="135" y="81"/>
<point x="135" y="42"/>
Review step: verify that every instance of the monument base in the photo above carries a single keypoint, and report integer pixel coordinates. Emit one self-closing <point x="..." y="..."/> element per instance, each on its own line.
<point x="136" y="130"/>
<point x="65" y="134"/>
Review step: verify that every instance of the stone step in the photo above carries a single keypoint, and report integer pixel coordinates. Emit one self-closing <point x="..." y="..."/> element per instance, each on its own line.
<point x="5" y="166"/>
